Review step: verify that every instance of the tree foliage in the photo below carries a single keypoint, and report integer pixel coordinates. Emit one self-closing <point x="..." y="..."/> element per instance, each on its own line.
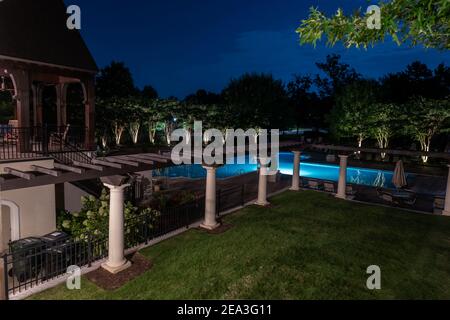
<point x="115" y="81"/>
<point x="424" y="118"/>
<point x="425" y="22"/>
<point x="352" y="118"/>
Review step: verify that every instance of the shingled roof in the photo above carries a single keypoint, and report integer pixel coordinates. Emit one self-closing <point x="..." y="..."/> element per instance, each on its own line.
<point x="35" y="30"/>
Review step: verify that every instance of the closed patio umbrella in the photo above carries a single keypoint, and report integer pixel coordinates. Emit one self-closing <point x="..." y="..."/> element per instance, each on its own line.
<point x="399" y="178"/>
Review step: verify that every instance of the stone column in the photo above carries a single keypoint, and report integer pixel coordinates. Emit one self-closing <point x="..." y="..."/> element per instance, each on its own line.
<point x="446" y="211"/>
<point x="262" y="185"/>
<point x="342" y="184"/>
<point x="296" y="172"/>
<point x="116" y="258"/>
<point x="210" y="222"/>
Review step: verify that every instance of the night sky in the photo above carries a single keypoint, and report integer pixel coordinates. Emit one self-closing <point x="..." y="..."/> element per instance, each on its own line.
<point x="179" y="46"/>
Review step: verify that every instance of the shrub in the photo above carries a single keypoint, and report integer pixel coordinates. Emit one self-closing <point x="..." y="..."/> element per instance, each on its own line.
<point x="93" y="218"/>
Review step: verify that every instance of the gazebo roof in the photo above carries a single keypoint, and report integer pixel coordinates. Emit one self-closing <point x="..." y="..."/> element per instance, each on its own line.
<point x="35" y="31"/>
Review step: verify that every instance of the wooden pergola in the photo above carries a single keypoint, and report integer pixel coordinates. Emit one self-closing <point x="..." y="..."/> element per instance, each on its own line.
<point x="38" y="50"/>
<point x="98" y="168"/>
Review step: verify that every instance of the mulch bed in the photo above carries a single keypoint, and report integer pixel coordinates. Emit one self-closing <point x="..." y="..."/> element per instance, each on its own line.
<point x="108" y="281"/>
<point x="223" y="228"/>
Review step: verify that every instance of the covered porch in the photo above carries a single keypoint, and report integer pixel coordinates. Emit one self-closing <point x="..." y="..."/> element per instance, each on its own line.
<point x="32" y="131"/>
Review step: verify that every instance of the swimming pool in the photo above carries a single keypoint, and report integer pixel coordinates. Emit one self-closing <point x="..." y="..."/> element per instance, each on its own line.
<point x="368" y="177"/>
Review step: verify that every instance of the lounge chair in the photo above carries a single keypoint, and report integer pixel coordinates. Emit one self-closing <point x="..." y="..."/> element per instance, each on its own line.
<point x="329" y="187"/>
<point x="386" y="196"/>
<point x="314" y="184"/>
<point x="58" y="139"/>
<point x="438" y="205"/>
<point x="350" y="192"/>
<point x="331" y="158"/>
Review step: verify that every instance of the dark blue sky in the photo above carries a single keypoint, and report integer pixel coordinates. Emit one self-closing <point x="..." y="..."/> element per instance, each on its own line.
<point x="179" y="46"/>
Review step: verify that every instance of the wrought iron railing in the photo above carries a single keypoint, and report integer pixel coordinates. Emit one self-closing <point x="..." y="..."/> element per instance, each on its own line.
<point x="18" y="143"/>
<point x="30" y="267"/>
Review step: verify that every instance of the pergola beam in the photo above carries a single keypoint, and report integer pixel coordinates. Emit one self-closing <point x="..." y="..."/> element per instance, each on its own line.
<point x="131" y="158"/>
<point x="50" y="172"/>
<point x="68" y="168"/>
<point x="88" y="166"/>
<point x="122" y="161"/>
<point x="107" y="163"/>
<point x="18" y="173"/>
<point x="152" y="158"/>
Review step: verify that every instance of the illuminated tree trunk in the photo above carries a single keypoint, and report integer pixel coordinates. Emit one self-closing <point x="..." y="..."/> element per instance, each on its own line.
<point x="152" y="131"/>
<point x="134" y="131"/>
<point x="118" y="132"/>
<point x="383" y="141"/>
<point x="425" y="144"/>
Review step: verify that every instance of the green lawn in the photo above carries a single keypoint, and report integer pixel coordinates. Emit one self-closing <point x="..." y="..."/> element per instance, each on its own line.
<point x="308" y="245"/>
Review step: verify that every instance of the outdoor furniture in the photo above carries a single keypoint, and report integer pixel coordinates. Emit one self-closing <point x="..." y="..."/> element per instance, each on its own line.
<point x="398" y="196"/>
<point x="385" y="196"/>
<point x="314" y="184"/>
<point x="329" y="187"/>
<point x="349" y="191"/>
<point x="438" y="205"/>
<point x="59" y="138"/>
<point x="331" y="158"/>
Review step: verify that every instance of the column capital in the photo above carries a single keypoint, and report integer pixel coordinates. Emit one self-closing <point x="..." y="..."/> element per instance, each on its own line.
<point x="211" y="167"/>
<point x="265" y="161"/>
<point x="343" y="156"/>
<point x="296" y="152"/>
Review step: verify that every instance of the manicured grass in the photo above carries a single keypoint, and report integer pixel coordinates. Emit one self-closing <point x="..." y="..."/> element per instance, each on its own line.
<point x="308" y="245"/>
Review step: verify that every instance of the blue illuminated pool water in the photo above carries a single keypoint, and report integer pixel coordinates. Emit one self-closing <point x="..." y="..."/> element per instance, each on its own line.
<point x="368" y="177"/>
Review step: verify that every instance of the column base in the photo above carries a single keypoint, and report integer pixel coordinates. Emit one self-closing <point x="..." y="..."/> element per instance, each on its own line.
<point x="209" y="227"/>
<point x="116" y="270"/>
<point x="446" y="213"/>
<point x="294" y="189"/>
<point x="262" y="204"/>
<point x="341" y="197"/>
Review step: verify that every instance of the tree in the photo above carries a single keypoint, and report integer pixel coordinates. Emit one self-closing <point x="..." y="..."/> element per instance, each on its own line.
<point x="256" y="101"/>
<point x="134" y="108"/>
<point x="115" y="81"/>
<point x="304" y="102"/>
<point x="338" y="75"/>
<point x="383" y="123"/>
<point x="351" y="117"/>
<point x="149" y="93"/>
<point x="152" y="116"/>
<point x="425" y="118"/>
<point x="406" y="21"/>
<point x="416" y="80"/>
<point x="202" y="97"/>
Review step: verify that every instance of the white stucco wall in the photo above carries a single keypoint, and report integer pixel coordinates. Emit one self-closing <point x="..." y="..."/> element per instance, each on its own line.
<point x="72" y="197"/>
<point x="36" y="205"/>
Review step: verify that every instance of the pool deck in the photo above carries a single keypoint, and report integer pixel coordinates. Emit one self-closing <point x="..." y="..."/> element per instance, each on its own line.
<point x="424" y="202"/>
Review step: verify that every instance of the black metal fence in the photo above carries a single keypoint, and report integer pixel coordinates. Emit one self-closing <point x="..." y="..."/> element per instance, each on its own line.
<point x="32" y="266"/>
<point x="32" y="142"/>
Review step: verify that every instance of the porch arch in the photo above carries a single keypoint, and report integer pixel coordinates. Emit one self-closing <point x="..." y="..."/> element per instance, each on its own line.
<point x="14" y="213"/>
